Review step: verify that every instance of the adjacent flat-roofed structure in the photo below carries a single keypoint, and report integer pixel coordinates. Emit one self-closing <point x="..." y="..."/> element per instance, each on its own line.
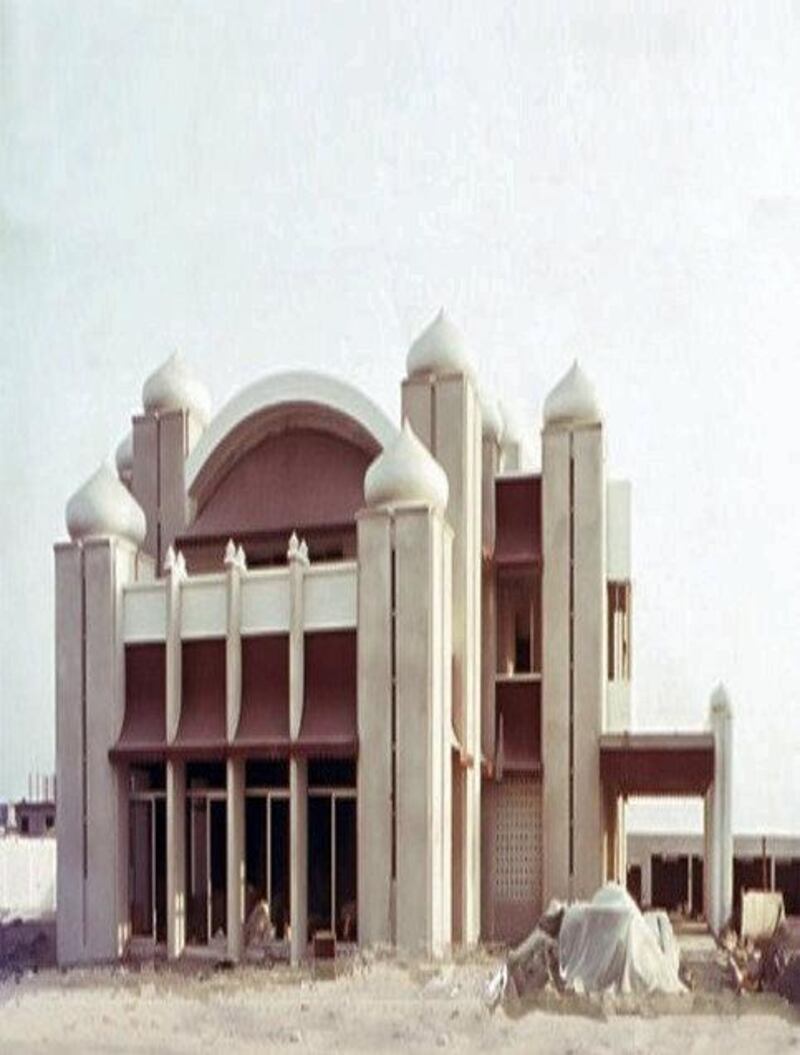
<point x="375" y="675"/>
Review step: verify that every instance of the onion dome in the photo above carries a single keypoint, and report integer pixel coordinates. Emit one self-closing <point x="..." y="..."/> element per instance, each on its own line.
<point x="103" y="506"/>
<point x="406" y="472"/>
<point x="493" y="424"/>
<point x="572" y="401"/>
<point x="439" y="349"/>
<point x="124" y="458"/>
<point x="174" y="387"/>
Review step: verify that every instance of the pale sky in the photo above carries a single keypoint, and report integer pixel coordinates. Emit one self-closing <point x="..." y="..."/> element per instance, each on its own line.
<point x="271" y="185"/>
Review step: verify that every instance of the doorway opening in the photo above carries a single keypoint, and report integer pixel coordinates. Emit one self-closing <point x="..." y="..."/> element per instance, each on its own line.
<point x="147" y="854"/>
<point x="206" y="854"/>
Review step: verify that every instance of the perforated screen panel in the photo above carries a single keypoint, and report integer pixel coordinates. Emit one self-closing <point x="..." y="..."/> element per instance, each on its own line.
<point x="518" y="840"/>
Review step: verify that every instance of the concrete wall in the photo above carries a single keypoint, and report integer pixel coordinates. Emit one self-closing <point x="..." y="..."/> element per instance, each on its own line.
<point x="27" y="877"/>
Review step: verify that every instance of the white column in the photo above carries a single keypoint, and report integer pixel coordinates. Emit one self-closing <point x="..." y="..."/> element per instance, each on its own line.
<point x="720" y="908"/>
<point x="374" y="801"/>
<point x="176" y="858"/>
<point x="235" y="769"/>
<point x="298" y="767"/>
<point x="175" y="569"/>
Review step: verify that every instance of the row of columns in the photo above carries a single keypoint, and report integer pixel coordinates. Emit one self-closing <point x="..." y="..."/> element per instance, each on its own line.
<point x="176" y="786"/>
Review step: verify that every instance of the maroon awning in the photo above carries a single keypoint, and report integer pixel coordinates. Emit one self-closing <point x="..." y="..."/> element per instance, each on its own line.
<point x="329" y="713"/>
<point x="518" y="513"/>
<point x="519" y="722"/>
<point x="143" y="734"/>
<point x="657" y="763"/>
<point x="264" y="718"/>
<point x="201" y="729"/>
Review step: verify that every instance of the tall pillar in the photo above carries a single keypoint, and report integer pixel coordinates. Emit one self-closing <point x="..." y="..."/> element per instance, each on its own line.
<point x="235" y="769"/>
<point x="440" y="400"/>
<point x="376" y="787"/>
<point x="719" y="801"/>
<point x="175" y="569"/>
<point x="106" y="527"/>
<point x="298" y="767"/>
<point x="176" y="857"/>
<point x="574" y="635"/>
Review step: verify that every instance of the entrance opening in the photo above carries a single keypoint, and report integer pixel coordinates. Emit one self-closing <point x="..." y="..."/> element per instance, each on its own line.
<point x="147" y="854"/>
<point x="267" y="855"/>
<point x="332" y="866"/>
<point x="665" y="847"/>
<point x="206" y="854"/>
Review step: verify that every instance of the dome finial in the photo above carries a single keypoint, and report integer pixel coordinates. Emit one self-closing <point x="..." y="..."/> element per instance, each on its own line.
<point x="405" y="473"/>
<point x="439" y="349"/>
<point x="104" y="507"/>
<point x="573" y="400"/>
<point x="174" y="386"/>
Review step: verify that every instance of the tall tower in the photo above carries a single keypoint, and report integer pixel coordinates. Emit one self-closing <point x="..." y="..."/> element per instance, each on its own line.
<point x="176" y="410"/>
<point x="106" y="528"/>
<point x="404" y="702"/>
<point x="574" y="630"/>
<point x="440" y="399"/>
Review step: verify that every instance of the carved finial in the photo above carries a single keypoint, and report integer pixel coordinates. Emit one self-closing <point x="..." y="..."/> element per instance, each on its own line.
<point x="169" y="559"/>
<point x="230" y="553"/>
<point x="241" y="559"/>
<point x="304" y="551"/>
<point x="294" y="546"/>
<point x="180" y="564"/>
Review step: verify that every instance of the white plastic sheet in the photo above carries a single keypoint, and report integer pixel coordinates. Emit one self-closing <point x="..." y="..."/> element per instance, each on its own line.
<point x="606" y="944"/>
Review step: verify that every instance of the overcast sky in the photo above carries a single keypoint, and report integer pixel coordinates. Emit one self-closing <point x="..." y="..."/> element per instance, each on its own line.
<point x="272" y="185"/>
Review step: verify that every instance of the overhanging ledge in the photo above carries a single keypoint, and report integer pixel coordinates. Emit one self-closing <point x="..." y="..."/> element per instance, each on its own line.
<point x="657" y="763"/>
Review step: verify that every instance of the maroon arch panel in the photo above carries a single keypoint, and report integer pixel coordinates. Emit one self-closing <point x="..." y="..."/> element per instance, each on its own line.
<point x="329" y="712"/>
<point x="299" y="477"/>
<point x="264" y="719"/>
<point x="143" y="732"/>
<point x="518" y="516"/>
<point x="201" y="729"/>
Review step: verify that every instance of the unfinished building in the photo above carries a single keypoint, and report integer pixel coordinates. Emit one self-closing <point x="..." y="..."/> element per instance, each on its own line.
<point x="377" y="678"/>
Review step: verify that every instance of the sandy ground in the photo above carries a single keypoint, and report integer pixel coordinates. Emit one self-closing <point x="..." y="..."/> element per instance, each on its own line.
<point x="367" y="1007"/>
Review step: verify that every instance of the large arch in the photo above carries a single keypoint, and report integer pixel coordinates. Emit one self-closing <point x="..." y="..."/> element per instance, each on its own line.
<point x="269" y="404"/>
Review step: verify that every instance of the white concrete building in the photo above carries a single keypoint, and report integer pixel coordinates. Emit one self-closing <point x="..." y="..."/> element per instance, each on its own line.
<point x="376" y="676"/>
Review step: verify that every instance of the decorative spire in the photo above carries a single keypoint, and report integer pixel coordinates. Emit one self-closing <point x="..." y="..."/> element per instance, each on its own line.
<point x="174" y="386"/>
<point x="573" y="400"/>
<point x="103" y="507"/>
<point x="406" y="472"/>
<point x="230" y="553"/>
<point x="169" y="559"/>
<point x="439" y="349"/>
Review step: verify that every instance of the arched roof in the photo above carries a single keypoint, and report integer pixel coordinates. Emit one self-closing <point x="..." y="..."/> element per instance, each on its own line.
<point x="318" y="397"/>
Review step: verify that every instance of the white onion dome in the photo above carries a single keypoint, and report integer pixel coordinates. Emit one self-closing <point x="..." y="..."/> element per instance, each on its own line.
<point x="439" y="349"/>
<point x="493" y="423"/>
<point x="124" y="458"/>
<point x="406" y="472"/>
<point x="175" y="387"/>
<point x="103" y="506"/>
<point x="573" y="400"/>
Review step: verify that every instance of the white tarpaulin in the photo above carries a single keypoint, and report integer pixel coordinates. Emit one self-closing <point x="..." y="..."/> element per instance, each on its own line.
<point x="606" y="944"/>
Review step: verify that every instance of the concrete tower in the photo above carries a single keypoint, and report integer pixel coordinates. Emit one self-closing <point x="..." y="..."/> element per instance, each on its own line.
<point x="574" y="629"/>
<point x="106" y="528"/>
<point x="441" y="401"/>
<point x="404" y="702"/>
<point x="176" y="410"/>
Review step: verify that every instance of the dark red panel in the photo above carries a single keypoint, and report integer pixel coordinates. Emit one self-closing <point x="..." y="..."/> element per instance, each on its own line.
<point x="264" y="718"/>
<point x="144" y="726"/>
<point x="297" y="477"/>
<point x="201" y="729"/>
<point x="519" y="711"/>
<point x="518" y="516"/>
<point x="329" y="713"/>
<point x="651" y="769"/>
